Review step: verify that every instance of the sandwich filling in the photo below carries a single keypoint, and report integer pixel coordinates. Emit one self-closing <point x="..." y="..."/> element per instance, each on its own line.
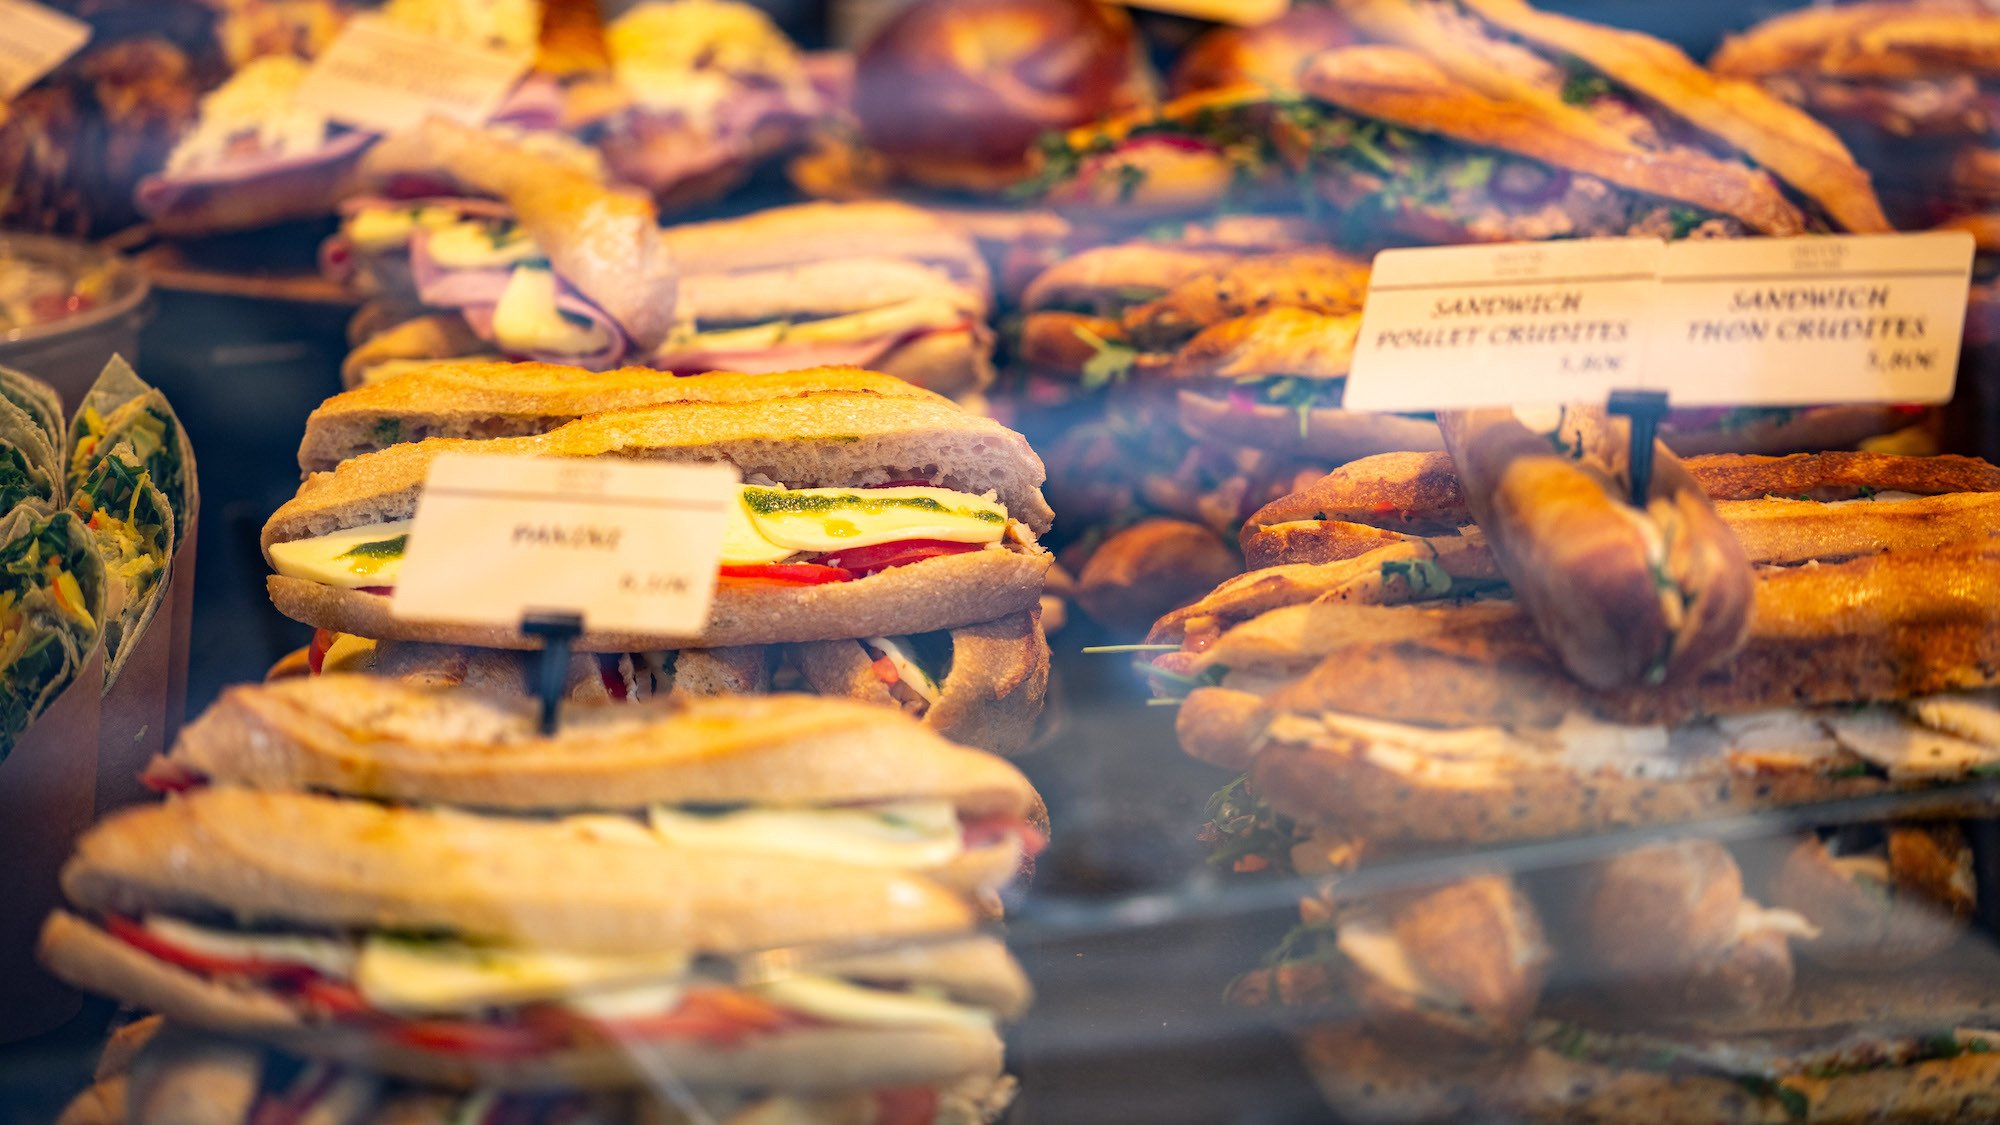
<point x="778" y="535"/>
<point x="1382" y="177"/>
<point x="483" y="1001"/>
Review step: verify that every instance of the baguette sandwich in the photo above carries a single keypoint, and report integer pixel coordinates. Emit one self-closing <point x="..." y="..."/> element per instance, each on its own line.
<point x="569" y="269"/>
<point x="936" y="514"/>
<point x="467" y="950"/>
<point x="177" y="1075"/>
<point x="1612" y="88"/>
<point x="879" y="285"/>
<point x="1906" y="70"/>
<point x="799" y="777"/>
<point x="1253" y="350"/>
<point x="1408" y="152"/>
<point x="1400" y="665"/>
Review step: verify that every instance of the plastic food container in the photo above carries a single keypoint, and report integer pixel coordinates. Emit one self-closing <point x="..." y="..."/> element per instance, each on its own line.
<point x="65" y="308"/>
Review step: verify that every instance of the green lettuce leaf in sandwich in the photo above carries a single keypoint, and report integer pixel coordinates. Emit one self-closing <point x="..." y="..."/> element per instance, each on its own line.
<point x="122" y="408"/>
<point x="133" y="526"/>
<point x="51" y="605"/>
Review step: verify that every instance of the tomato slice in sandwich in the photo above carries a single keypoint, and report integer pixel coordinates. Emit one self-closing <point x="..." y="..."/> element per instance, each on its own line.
<point x="469" y="1037"/>
<point x="788" y="574"/>
<point x="882" y="556"/>
<point x="139" y="937"/>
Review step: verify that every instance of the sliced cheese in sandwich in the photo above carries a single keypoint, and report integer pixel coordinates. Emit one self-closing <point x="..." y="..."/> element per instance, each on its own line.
<point x="528" y="320"/>
<point x="370" y="555"/>
<point x="854" y="1005"/>
<point x="768" y="525"/>
<point x="908" y="834"/>
<point x="421" y="976"/>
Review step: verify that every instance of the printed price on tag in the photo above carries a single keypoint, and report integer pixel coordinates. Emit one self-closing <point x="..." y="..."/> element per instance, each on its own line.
<point x="33" y="41"/>
<point x="1516" y="324"/>
<point x="379" y="76"/>
<point x="632" y="547"/>
<point x="1797" y="321"/>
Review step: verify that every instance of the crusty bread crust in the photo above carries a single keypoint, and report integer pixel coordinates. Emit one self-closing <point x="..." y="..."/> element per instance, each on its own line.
<point x="327" y="861"/>
<point x="1104" y="271"/>
<point x="990" y="699"/>
<point x="485" y="399"/>
<point x="1419" y="493"/>
<point x="1781" y="531"/>
<point x="1784" y="139"/>
<point x="1408" y="89"/>
<point x="1867" y="40"/>
<point x="1279" y="341"/>
<point x="941" y="593"/>
<point x="367" y="736"/>
<point x="804" y="1059"/>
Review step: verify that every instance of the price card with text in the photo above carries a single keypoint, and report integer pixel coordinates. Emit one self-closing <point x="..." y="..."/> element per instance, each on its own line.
<point x="1512" y="324"/>
<point x="1795" y="321"/>
<point x="379" y="76"/>
<point x="33" y="41"/>
<point x="631" y="546"/>
<point x="1247" y="13"/>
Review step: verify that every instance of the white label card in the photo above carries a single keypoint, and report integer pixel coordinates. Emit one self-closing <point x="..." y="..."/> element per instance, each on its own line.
<point x="33" y="41"/>
<point x="382" y="77"/>
<point x="1797" y="321"/>
<point x="1503" y="325"/>
<point x="631" y="546"/>
<point x="1738" y="322"/>
<point x="1247" y="13"/>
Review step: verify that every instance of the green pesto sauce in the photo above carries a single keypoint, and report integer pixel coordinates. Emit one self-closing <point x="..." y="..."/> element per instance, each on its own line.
<point x="778" y="501"/>
<point x="378" y="550"/>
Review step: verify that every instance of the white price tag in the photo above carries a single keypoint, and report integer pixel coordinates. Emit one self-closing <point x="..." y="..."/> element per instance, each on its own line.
<point x="631" y="546"/>
<point x="1248" y="13"/>
<point x="1503" y="325"/>
<point x="33" y="41"/>
<point x="382" y="77"/>
<point x="1795" y="321"/>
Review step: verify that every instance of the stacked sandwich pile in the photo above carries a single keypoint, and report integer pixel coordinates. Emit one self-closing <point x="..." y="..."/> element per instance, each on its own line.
<point x="365" y="900"/>
<point x="885" y="548"/>
<point x="1440" y="652"/>
<point x="1224" y="342"/>
<point x="183" y="113"/>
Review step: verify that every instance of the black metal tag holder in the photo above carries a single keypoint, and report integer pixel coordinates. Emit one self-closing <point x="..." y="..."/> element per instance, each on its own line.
<point x="1646" y="409"/>
<point x="559" y="631"/>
